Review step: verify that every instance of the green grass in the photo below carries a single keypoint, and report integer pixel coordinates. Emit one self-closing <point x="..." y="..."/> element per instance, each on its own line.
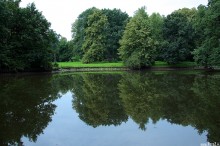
<point x="81" y="65"/>
<point x="118" y="64"/>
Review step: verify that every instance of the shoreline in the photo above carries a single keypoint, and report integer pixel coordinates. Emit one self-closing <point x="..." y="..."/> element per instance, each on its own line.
<point x="99" y="69"/>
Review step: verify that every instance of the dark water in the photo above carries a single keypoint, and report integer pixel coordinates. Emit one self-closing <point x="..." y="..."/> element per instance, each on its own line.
<point x="106" y="109"/>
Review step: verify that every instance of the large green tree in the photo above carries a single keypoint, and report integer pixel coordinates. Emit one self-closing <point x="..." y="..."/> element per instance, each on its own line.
<point x="26" y="38"/>
<point x="156" y="25"/>
<point x="208" y="53"/>
<point x="179" y="36"/>
<point x="117" y="21"/>
<point x="78" y="32"/>
<point x="137" y="44"/>
<point x="65" y="51"/>
<point x="8" y="10"/>
<point x="94" y="46"/>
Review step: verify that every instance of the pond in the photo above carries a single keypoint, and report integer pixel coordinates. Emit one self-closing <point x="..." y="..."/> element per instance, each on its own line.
<point x="170" y="108"/>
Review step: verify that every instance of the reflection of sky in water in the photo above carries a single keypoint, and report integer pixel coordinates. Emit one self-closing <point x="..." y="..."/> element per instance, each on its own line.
<point x="66" y="129"/>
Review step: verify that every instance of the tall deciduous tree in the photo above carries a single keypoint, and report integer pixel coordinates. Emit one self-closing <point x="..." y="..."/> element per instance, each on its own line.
<point x="208" y="53"/>
<point x="156" y="25"/>
<point x="26" y="38"/>
<point x="113" y="33"/>
<point x="79" y="33"/>
<point x="178" y="33"/>
<point x="94" y="45"/>
<point x="8" y="10"/>
<point x="137" y="45"/>
<point x="65" y="51"/>
<point x="117" y="21"/>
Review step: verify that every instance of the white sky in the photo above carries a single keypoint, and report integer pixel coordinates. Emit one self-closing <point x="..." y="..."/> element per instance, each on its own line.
<point x="62" y="13"/>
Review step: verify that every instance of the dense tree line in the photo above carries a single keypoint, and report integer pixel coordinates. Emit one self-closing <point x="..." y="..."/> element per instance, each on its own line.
<point x="184" y="35"/>
<point x="27" y="43"/>
<point x="26" y="40"/>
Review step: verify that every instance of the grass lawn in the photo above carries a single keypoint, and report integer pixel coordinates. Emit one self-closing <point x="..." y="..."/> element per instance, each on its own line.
<point x="119" y="64"/>
<point x="81" y="65"/>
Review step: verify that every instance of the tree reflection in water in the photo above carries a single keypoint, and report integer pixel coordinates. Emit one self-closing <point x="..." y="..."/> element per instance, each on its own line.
<point x="104" y="99"/>
<point x="97" y="99"/>
<point x="26" y="107"/>
<point x="180" y="98"/>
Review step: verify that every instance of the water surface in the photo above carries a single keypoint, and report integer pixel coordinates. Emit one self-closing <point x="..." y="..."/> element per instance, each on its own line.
<point x="121" y="108"/>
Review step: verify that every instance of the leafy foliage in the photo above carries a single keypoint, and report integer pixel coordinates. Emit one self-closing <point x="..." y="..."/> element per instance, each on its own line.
<point x="114" y="27"/>
<point x="156" y="25"/>
<point x="117" y="21"/>
<point x="65" y="50"/>
<point x="178" y="34"/>
<point x="26" y="39"/>
<point x="137" y="44"/>
<point x="94" y="45"/>
<point x="79" y="32"/>
<point x="208" y="52"/>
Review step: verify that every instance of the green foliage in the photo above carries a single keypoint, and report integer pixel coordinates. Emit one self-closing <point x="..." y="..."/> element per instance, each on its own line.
<point x="117" y="21"/>
<point x="94" y="45"/>
<point x="79" y="32"/>
<point x="137" y="45"/>
<point x="199" y="25"/>
<point x="111" y="33"/>
<point x="7" y="22"/>
<point x="208" y="52"/>
<point x="156" y="25"/>
<point x="26" y="39"/>
<point x="179" y="36"/>
<point x="65" y="50"/>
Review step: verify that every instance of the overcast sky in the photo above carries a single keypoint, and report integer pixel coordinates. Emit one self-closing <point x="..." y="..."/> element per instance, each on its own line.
<point x="62" y="13"/>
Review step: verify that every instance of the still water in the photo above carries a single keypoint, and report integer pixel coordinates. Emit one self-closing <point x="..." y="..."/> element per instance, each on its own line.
<point x="178" y="108"/>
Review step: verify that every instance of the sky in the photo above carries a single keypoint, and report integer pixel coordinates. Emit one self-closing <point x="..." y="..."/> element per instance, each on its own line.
<point x="62" y="13"/>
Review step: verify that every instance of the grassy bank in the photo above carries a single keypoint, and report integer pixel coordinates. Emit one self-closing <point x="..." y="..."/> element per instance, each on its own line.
<point x="91" y="65"/>
<point x="67" y="65"/>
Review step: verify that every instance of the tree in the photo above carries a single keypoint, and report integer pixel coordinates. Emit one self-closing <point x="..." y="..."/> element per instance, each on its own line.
<point x="199" y="25"/>
<point x="78" y="32"/>
<point x="178" y="34"/>
<point x="26" y="40"/>
<point x="94" y="46"/>
<point x="117" y="21"/>
<point x="34" y="37"/>
<point x="156" y="25"/>
<point x="208" y="53"/>
<point x="8" y="10"/>
<point x="113" y="32"/>
<point x="137" y="45"/>
<point x="65" y="51"/>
